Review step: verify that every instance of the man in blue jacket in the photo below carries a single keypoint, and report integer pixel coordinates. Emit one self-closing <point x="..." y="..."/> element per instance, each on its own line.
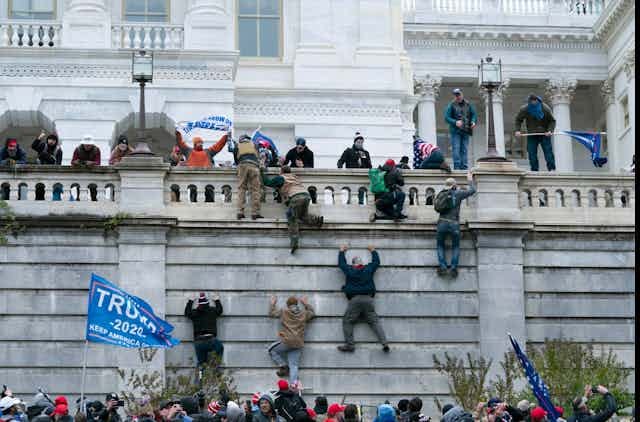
<point x="360" y="290"/>
<point x="462" y="118"/>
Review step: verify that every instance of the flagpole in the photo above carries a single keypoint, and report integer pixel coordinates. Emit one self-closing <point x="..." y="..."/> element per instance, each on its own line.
<point x="523" y="135"/>
<point x="84" y="377"/>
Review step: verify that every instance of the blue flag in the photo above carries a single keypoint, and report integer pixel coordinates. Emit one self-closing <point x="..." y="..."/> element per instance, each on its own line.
<point x="116" y="317"/>
<point x="592" y="141"/>
<point x="259" y="137"/>
<point x="538" y="386"/>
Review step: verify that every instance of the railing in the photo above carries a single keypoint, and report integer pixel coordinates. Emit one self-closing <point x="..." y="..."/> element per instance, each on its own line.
<point x="29" y="34"/>
<point x="457" y="6"/>
<point x="149" y="36"/>
<point x="525" y="7"/>
<point x="424" y="10"/>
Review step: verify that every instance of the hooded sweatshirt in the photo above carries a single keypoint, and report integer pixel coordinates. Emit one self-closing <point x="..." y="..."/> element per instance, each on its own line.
<point x="204" y="318"/>
<point x="234" y="413"/>
<point x="355" y="158"/>
<point x="386" y="413"/>
<point x="359" y="279"/>
<point x="455" y="414"/>
<point x="200" y="158"/>
<point x="294" y="320"/>
<point x="272" y="417"/>
<point x="20" y="156"/>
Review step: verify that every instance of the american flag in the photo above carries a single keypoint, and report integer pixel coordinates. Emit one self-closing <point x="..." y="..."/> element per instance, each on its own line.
<point x="421" y="150"/>
<point x="540" y="390"/>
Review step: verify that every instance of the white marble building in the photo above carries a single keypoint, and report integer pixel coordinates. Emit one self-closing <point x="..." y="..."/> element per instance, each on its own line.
<point x="318" y="69"/>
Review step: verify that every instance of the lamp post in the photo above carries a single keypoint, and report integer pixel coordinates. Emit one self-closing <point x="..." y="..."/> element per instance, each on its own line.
<point x="490" y="78"/>
<point x="142" y="72"/>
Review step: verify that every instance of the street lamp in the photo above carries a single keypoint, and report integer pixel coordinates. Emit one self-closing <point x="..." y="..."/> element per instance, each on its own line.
<point x="142" y="72"/>
<point x="490" y="78"/>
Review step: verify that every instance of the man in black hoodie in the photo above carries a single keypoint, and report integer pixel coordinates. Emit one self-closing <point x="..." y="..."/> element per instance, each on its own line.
<point x="48" y="148"/>
<point x="355" y="157"/>
<point x="205" y="330"/>
<point x="390" y="203"/>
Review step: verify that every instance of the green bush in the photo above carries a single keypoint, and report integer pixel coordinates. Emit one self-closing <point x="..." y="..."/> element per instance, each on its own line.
<point x="466" y="382"/>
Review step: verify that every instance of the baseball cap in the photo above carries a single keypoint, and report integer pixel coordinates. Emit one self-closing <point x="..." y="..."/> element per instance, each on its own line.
<point x="494" y="400"/>
<point x="166" y="403"/>
<point x="537" y="414"/>
<point x="12" y="142"/>
<point x="111" y="396"/>
<point x="457" y="91"/>
<point x="7" y="402"/>
<point x="283" y="385"/>
<point x="335" y="408"/>
<point x="61" y="409"/>
<point x="301" y="141"/>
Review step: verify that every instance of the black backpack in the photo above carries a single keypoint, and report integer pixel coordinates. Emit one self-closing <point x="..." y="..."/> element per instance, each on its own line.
<point x="444" y="201"/>
<point x="289" y="406"/>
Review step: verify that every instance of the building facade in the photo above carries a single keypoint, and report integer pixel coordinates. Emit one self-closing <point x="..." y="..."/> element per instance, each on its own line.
<point x="320" y="70"/>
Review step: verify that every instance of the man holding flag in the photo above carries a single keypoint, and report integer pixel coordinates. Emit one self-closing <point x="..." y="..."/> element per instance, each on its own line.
<point x="540" y="123"/>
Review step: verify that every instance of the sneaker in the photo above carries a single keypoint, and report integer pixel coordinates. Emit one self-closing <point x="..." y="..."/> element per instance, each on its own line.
<point x="402" y="216"/>
<point x="385" y="348"/>
<point x="454" y="272"/>
<point x="372" y="217"/>
<point x="294" y="246"/>
<point x="442" y="271"/>
<point x="256" y="216"/>
<point x="283" y="371"/>
<point x="240" y="216"/>
<point x="346" y="348"/>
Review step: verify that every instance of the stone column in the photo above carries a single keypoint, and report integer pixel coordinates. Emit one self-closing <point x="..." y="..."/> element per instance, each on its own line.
<point x="630" y="70"/>
<point x="428" y="89"/>
<point x="561" y="92"/>
<point x="498" y="114"/>
<point x="408" y="127"/>
<point x="375" y="24"/>
<point x="208" y="25"/>
<point x="316" y="25"/>
<point x="616" y="161"/>
<point x="86" y="24"/>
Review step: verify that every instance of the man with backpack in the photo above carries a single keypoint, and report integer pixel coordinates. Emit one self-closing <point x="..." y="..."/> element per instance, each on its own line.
<point x="288" y="402"/>
<point x="447" y="203"/>
<point x="385" y="182"/>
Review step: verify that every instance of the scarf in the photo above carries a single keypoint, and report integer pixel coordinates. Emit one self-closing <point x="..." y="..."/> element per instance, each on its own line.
<point x="535" y="110"/>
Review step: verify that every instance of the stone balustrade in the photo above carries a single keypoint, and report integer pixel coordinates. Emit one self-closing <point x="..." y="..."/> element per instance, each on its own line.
<point x="29" y="34"/>
<point x="503" y="7"/>
<point x="152" y="36"/>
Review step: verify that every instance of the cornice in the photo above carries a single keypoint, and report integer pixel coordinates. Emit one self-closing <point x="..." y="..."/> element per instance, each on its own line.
<point x="608" y="20"/>
<point x="316" y="110"/>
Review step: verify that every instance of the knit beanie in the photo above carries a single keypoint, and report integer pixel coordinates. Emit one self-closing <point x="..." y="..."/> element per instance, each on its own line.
<point x="203" y="300"/>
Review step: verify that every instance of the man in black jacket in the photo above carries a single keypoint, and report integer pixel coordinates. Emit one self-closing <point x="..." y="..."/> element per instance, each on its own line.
<point x="299" y="156"/>
<point x="205" y="330"/>
<point x="48" y="148"/>
<point x="581" y="412"/>
<point x="288" y="402"/>
<point x="355" y="157"/>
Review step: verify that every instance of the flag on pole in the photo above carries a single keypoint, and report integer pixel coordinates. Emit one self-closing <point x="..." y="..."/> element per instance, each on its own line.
<point x="592" y="141"/>
<point x="118" y="318"/>
<point x="540" y="390"/>
<point x="259" y="138"/>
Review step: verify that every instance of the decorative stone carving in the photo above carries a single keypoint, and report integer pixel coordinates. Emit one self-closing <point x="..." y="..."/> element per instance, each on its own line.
<point x="561" y="90"/>
<point x="428" y="88"/>
<point x="318" y="110"/>
<point x="500" y="43"/>
<point x="630" y="64"/>
<point x="608" y="93"/>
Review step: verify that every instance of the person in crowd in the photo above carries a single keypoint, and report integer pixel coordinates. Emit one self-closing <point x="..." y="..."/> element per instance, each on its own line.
<point x="461" y="117"/>
<point x="121" y="150"/>
<point x="12" y="153"/>
<point x="110" y="411"/>
<point x="306" y="415"/>
<point x="268" y="155"/>
<point x="205" y="329"/>
<point x="41" y="404"/>
<point x="351" y="413"/>
<point x="524" y="407"/>
<point x="61" y="414"/>
<point x="335" y="413"/>
<point x="267" y="410"/>
<point x="10" y="409"/>
<point x="287" y="402"/>
<point x="234" y="413"/>
<point x="355" y="157"/>
<point x="452" y="413"/>
<point x="413" y="410"/>
<point x="404" y="163"/>
<point x="176" y="158"/>
<point x="320" y="407"/>
<point x="214" y="407"/>
<point x="390" y="203"/>
<point x="86" y="154"/>
<point x="385" y="414"/>
<point x="287" y="351"/>
<point x="297" y="199"/>
<point x="198" y="157"/>
<point x="560" y="412"/>
<point x="428" y="156"/>
<point x="170" y="410"/>
<point x="6" y="392"/>
<point x="402" y="409"/>
<point x="447" y="204"/>
<point x="299" y="156"/>
<point x="48" y="148"/>
<point x="581" y="411"/>
<point x="539" y="120"/>
<point x="538" y="414"/>
<point x="246" y="157"/>
<point x="360" y="290"/>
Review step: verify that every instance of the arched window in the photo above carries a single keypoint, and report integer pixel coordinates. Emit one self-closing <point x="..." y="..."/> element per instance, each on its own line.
<point x="56" y="193"/>
<point x="362" y="196"/>
<point x="413" y="196"/>
<point x="608" y="199"/>
<point x="193" y="193"/>
<point x="543" y="198"/>
<point x="624" y="199"/>
<point x="22" y="191"/>
<point x="175" y="193"/>
<point x="40" y="192"/>
<point x="5" y="191"/>
<point x="593" y="198"/>
<point x="226" y="192"/>
<point x="313" y="193"/>
<point x="526" y="198"/>
<point x="328" y="195"/>
<point x="576" y="200"/>
<point x="429" y="196"/>
<point x="93" y="191"/>
<point x="209" y="194"/>
<point x="559" y="198"/>
<point x="109" y="192"/>
<point x="345" y="196"/>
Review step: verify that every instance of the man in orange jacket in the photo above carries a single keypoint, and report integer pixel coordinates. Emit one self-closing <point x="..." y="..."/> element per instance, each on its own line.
<point x="198" y="157"/>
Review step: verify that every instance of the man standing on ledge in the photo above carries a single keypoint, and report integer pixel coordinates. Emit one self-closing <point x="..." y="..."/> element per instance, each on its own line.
<point x="462" y="118"/>
<point x="299" y="156"/>
<point x="360" y="290"/>
<point x="539" y="119"/>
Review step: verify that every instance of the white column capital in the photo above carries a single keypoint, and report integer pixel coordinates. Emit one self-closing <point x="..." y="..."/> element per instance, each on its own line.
<point x="608" y="93"/>
<point x="498" y="94"/>
<point x="630" y="64"/>
<point x="428" y="87"/>
<point x="561" y="90"/>
<point x="86" y="6"/>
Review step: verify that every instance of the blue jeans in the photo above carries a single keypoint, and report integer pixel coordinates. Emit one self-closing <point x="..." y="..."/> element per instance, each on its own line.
<point x="204" y="347"/>
<point x="444" y="229"/>
<point x="547" y="149"/>
<point x="283" y="355"/>
<point x="459" y="147"/>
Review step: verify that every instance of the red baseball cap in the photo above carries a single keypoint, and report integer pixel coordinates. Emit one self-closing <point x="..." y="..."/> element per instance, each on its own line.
<point x="334" y="409"/>
<point x="61" y="409"/>
<point x="312" y="413"/>
<point x="283" y="385"/>
<point x="560" y="410"/>
<point x="538" y="414"/>
<point x="12" y="142"/>
<point x="390" y="163"/>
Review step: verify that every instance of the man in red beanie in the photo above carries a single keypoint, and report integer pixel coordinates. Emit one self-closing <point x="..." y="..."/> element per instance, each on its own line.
<point x="335" y="412"/>
<point x="389" y="204"/>
<point x="12" y="154"/>
<point x="287" y="402"/>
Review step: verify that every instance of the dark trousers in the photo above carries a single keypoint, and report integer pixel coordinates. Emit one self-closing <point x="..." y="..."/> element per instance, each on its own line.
<point x="298" y="212"/>
<point x="433" y="162"/>
<point x="361" y="308"/>
<point x="390" y="203"/>
<point x="547" y="149"/>
<point x="448" y="228"/>
<point x="206" y="346"/>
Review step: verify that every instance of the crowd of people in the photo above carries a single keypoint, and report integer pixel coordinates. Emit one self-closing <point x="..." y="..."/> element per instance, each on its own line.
<point x="286" y="404"/>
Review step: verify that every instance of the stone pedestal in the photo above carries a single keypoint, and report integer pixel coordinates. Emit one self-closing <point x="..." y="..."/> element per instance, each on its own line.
<point x="561" y="92"/>
<point x="86" y="24"/>
<point x="142" y="191"/>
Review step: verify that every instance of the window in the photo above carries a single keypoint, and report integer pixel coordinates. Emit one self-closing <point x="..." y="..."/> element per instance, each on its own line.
<point x="624" y="104"/>
<point x="32" y="9"/>
<point x="146" y="10"/>
<point x="259" y="28"/>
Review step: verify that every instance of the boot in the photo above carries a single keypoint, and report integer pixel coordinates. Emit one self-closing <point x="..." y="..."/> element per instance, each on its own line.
<point x="240" y="216"/>
<point x="283" y="371"/>
<point x="294" y="245"/>
<point x="346" y="348"/>
<point x="256" y="216"/>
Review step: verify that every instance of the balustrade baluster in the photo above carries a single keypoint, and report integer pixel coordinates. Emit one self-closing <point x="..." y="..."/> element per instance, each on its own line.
<point x="136" y="37"/>
<point x="144" y="36"/>
<point x="15" y="38"/>
<point x="116" y="37"/>
<point x="4" y="35"/>
<point x="157" y="40"/>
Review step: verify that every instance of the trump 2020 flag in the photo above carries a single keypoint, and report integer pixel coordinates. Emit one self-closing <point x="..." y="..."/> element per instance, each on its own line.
<point x="592" y="141"/>
<point x="118" y="318"/>
<point x="540" y="390"/>
<point x="259" y="137"/>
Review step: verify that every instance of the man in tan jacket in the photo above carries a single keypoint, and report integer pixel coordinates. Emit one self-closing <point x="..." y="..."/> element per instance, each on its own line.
<point x="287" y="351"/>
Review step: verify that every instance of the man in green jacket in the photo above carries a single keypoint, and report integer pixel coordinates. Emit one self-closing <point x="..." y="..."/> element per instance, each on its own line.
<point x="538" y="118"/>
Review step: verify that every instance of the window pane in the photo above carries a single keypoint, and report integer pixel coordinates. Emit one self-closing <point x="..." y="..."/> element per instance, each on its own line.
<point x="270" y="7"/>
<point x="134" y="6"/>
<point x="248" y="7"/>
<point x="20" y="5"/>
<point x="248" y="36"/>
<point x="42" y="5"/>
<point x="157" y="6"/>
<point x="269" y="36"/>
<point x="135" y="18"/>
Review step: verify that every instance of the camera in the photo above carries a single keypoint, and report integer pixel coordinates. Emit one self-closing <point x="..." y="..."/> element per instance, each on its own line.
<point x="594" y="389"/>
<point x="120" y="403"/>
